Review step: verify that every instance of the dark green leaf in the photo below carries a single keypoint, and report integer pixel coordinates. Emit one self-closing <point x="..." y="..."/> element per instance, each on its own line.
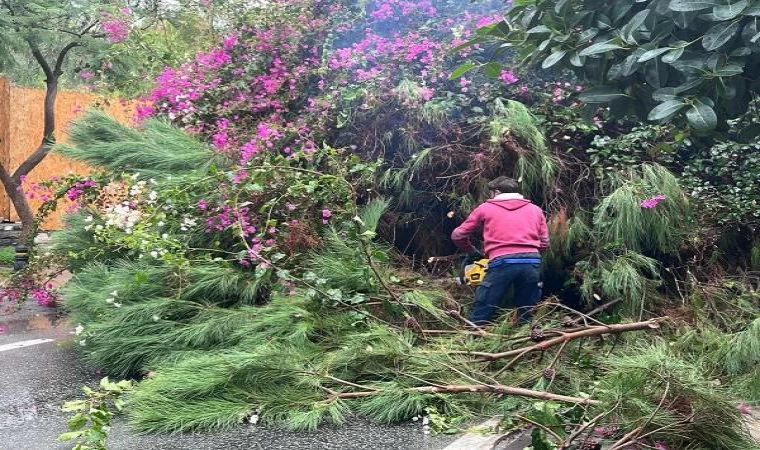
<point x="665" y="110"/>
<point x="664" y="94"/>
<point x="461" y="70"/>
<point x="691" y="5"/>
<point x="656" y="73"/>
<point x="702" y="117"/>
<point x="741" y="51"/>
<point x="588" y="34"/>
<point x="730" y="70"/>
<point x="601" y="47"/>
<point x="753" y="10"/>
<point x="602" y="94"/>
<point x="672" y="56"/>
<point x="554" y="58"/>
<point x="730" y="11"/>
<point x="633" y="25"/>
<point x="719" y="34"/>
<point x="620" y="9"/>
<point x="539" y="29"/>
<point x="468" y="44"/>
<point x="653" y="54"/>
<point x="492" y="69"/>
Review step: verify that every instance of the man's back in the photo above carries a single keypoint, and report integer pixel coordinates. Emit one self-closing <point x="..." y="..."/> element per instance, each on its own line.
<point x="510" y="226"/>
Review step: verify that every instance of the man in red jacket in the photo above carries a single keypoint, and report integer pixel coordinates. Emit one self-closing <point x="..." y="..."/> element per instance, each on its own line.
<point x="514" y="233"/>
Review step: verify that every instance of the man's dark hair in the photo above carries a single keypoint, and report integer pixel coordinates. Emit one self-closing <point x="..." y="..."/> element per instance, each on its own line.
<point x="504" y="184"/>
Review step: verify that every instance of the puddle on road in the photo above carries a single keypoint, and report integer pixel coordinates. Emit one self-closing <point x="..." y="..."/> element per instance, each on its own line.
<point x="19" y="323"/>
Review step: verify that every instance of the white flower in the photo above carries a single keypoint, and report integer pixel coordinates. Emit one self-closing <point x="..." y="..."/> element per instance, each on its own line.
<point x="89" y="219"/>
<point x="153" y="195"/>
<point x="87" y="227"/>
<point x="79" y="329"/>
<point x="110" y="300"/>
<point x="116" y="304"/>
<point x="254" y="419"/>
<point x="160" y="224"/>
<point x="99" y="227"/>
<point x="415" y="418"/>
<point x="115" y="294"/>
<point x="154" y="254"/>
<point x="83" y="342"/>
<point x="152" y="181"/>
<point x="165" y="236"/>
<point x="156" y="317"/>
<point x="425" y="420"/>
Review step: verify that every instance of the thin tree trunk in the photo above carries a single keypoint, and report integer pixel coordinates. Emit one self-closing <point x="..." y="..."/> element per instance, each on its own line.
<point x="13" y="189"/>
<point x="13" y="183"/>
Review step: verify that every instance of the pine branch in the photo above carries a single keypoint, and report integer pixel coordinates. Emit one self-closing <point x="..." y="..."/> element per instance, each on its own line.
<point x="465" y="388"/>
<point x="565" y="337"/>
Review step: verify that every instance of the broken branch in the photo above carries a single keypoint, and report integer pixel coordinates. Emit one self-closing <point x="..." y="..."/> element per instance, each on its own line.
<point x="465" y="388"/>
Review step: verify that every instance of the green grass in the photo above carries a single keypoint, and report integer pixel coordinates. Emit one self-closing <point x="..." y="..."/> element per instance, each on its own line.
<point x="7" y="255"/>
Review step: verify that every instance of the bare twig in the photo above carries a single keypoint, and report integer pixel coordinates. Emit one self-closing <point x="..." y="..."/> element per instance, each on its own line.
<point x="475" y="388"/>
<point x="547" y="430"/>
<point x="455" y="314"/>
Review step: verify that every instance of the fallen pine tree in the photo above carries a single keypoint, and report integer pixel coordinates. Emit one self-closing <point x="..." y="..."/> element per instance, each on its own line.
<point x="346" y="331"/>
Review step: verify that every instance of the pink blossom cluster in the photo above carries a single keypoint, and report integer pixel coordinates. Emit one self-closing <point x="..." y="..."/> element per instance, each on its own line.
<point x="80" y="188"/>
<point x="116" y="28"/>
<point x="44" y="296"/>
<point x="562" y="91"/>
<point x="508" y="76"/>
<point x="397" y="9"/>
<point x="652" y="201"/>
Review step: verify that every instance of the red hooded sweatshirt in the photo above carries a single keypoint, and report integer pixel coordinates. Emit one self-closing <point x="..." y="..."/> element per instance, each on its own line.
<point x="511" y="224"/>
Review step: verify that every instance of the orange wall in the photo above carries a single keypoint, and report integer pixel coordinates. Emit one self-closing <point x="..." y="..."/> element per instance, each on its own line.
<point x="21" y="126"/>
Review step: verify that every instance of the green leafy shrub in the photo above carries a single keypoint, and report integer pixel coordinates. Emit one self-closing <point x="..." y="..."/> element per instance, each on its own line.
<point x="91" y="422"/>
<point x="658" y="60"/>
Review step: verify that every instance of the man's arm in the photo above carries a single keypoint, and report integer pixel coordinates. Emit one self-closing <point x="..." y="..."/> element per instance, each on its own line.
<point x="461" y="235"/>
<point x="543" y="232"/>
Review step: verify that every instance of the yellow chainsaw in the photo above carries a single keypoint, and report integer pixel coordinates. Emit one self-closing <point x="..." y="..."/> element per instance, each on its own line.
<point x="473" y="272"/>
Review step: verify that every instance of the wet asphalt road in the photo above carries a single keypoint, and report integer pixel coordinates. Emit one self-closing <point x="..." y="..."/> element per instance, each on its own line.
<point x="36" y="380"/>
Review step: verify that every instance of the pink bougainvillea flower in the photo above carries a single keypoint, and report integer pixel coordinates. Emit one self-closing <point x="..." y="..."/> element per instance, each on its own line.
<point x="744" y="408"/>
<point x="86" y="74"/>
<point x="508" y="76"/>
<point x="326" y="213"/>
<point x="652" y="202"/>
<point x="659" y="445"/>
<point x="116" y="29"/>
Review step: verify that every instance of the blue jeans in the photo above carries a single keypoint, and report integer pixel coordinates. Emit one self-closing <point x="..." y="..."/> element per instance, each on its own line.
<point x="526" y="279"/>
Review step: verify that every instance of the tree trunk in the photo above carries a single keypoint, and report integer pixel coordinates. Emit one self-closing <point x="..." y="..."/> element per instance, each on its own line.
<point x="13" y="183"/>
<point x="24" y="211"/>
